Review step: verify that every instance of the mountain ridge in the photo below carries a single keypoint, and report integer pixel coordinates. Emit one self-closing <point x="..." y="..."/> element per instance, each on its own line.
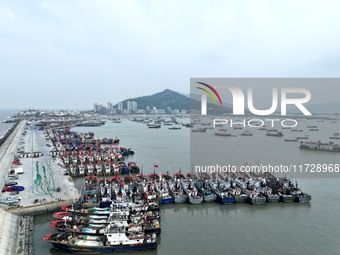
<point x="161" y="100"/>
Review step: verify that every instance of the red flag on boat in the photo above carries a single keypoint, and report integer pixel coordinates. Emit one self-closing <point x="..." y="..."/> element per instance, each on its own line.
<point x="156" y="166"/>
<point x="113" y="144"/>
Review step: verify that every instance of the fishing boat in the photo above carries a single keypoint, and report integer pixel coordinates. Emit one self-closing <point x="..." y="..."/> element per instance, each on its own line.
<point x="271" y="197"/>
<point x="149" y="191"/>
<point x="80" y="228"/>
<point x="274" y="133"/>
<point x="133" y="167"/>
<point x="248" y="188"/>
<point x="194" y="196"/>
<point x="90" y="189"/>
<point x="290" y="140"/>
<point x="320" y="146"/>
<point x="105" y="194"/>
<point x="240" y="197"/>
<point x="256" y="198"/>
<point x="246" y="133"/>
<point x="202" y="184"/>
<point x="114" y="240"/>
<point x="303" y="198"/>
<point x="176" y="190"/>
<point x="163" y="191"/>
<point x="87" y="211"/>
<point x="282" y="186"/>
<point x="124" y="169"/>
<point x="222" y="133"/>
<point x="221" y="189"/>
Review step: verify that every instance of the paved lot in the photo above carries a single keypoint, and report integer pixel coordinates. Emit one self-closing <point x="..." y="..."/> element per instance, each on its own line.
<point x="43" y="176"/>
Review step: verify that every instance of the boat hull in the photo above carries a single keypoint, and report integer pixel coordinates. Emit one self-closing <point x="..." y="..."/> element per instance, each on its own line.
<point x="241" y="199"/>
<point x="103" y="249"/>
<point x="257" y="200"/>
<point x="167" y="200"/>
<point x="304" y="198"/>
<point x="181" y="200"/>
<point x="209" y="198"/>
<point x="288" y="199"/>
<point x="226" y="200"/>
<point x="273" y="198"/>
<point x="195" y="200"/>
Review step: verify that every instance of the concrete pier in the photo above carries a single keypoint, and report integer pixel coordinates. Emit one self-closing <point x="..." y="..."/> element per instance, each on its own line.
<point x="7" y="151"/>
<point x="40" y="209"/>
<point x="46" y="187"/>
<point x="42" y="176"/>
<point x="16" y="234"/>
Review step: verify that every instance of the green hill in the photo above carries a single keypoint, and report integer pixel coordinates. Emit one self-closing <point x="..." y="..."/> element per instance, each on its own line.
<point x="162" y="100"/>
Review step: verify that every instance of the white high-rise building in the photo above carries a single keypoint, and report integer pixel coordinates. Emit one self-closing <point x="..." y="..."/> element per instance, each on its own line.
<point x="134" y="105"/>
<point x="109" y="106"/>
<point x="129" y="105"/>
<point x="96" y="107"/>
<point x="120" y="106"/>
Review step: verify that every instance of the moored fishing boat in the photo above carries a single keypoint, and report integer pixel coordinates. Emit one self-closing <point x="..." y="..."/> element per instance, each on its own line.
<point x="148" y="188"/>
<point x="123" y="167"/>
<point x="114" y="241"/>
<point x="248" y="187"/>
<point x="90" y="189"/>
<point x="176" y="190"/>
<point x="271" y="196"/>
<point x="194" y="196"/>
<point x="303" y="198"/>
<point x="221" y="189"/>
<point x="163" y="191"/>
<point x="105" y="193"/>
<point x="133" y="167"/>
<point x="204" y="188"/>
<point x="256" y="198"/>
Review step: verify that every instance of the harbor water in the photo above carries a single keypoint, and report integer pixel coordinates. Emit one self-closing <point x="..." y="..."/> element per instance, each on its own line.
<point x="213" y="228"/>
<point x="5" y="114"/>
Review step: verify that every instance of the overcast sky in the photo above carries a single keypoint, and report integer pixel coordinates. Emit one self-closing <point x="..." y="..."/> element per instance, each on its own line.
<point x="70" y="54"/>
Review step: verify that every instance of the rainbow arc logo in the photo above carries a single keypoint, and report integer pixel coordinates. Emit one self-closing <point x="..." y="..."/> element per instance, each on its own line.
<point x="209" y="93"/>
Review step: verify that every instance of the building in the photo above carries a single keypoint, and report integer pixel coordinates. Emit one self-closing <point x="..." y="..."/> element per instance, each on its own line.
<point x="120" y="106"/>
<point x="168" y="110"/>
<point x="131" y="105"/>
<point x="128" y="105"/>
<point x="96" y="108"/>
<point x="109" y="106"/>
<point x="134" y="105"/>
<point x="140" y="111"/>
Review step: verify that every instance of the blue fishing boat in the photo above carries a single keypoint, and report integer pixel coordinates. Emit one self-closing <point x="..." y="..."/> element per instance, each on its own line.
<point x="221" y="189"/>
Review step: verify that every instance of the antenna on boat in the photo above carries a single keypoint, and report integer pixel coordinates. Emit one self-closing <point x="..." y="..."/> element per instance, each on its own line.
<point x="65" y="230"/>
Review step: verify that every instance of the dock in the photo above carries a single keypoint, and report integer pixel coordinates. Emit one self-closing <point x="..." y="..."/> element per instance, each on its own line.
<point x="16" y="234"/>
<point x="41" y="176"/>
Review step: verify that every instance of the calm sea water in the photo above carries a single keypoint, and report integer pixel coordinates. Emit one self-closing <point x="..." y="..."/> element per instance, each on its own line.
<point x="225" y="229"/>
<point x="5" y="114"/>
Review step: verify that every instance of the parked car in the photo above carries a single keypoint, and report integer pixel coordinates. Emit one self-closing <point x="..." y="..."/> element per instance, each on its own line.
<point x="11" y="184"/>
